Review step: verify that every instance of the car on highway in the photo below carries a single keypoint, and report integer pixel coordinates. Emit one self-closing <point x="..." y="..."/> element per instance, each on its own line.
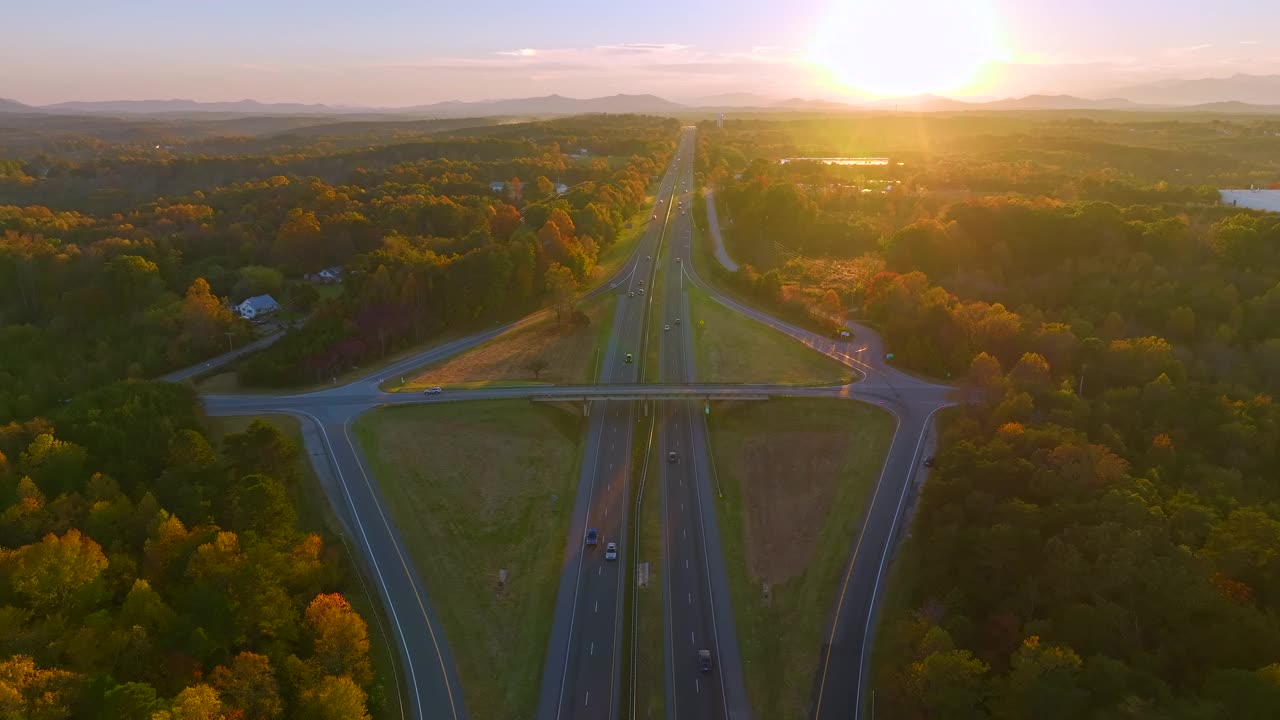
<point x="677" y="321"/>
<point x="628" y="358"/>
<point x="611" y="551"/>
<point x="641" y="291"/>
<point x="678" y="260"/>
<point x="641" y="282"/>
<point x="704" y="660"/>
<point x="671" y="456"/>
<point x="631" y="294"/>
<point x="648" y="257"/>
<point x="433" y="390"/>
<point x="666" y="327"/>
<point x="928" y="462"/>
<point x="593" y="536"/>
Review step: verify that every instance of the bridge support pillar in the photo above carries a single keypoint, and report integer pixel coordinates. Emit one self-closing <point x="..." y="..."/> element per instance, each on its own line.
<point x="586" y="408"/>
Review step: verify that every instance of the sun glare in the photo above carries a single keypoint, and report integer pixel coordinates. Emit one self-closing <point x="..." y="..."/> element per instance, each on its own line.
<point x="905" y="47"/>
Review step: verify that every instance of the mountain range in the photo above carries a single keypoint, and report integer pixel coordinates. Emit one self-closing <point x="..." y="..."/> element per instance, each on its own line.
<point x="1238" y="93"/>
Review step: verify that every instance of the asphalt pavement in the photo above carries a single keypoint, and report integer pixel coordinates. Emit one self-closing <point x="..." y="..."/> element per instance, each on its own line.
<point x="698" y="615"/>
<point x="581" y="677"/>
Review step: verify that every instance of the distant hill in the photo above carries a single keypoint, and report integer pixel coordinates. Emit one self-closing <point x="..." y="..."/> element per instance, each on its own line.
<point x="1233" y="107"/>
<point x="730" y="100"/>
<point x="1250" y="89"/>
<point x="1058" y="102"/>
<point x="548" y="105"/>
<point x="152" y="107"/>
<point x="811" y="105"/>
<point x="7" y="105"/>
<point x="921" y="103"/>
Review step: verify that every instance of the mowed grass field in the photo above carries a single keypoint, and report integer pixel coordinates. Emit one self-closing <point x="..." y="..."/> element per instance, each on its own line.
<point x="316" y="515"/>
<point x="568" y="350"/>
<point x="731" y="348"/>
<point x="474" y="488"/>
<point x="797" y="476"/>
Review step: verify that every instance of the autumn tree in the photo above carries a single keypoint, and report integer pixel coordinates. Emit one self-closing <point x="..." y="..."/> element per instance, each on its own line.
<point x="57" y="569"/>
<point x="249" y="685"/>
<point x="341" y="639"/>
<point x="204" y="319"/>
<point x="334" y="698"/>
<point x="561" y="286"/>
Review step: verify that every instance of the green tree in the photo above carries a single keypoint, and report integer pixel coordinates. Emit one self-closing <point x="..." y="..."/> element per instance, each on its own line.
<point x="130" y="701"/>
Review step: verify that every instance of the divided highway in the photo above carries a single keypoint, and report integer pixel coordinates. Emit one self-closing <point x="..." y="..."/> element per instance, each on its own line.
<point x="582" y="674"/>
<point x="582" y="671"/>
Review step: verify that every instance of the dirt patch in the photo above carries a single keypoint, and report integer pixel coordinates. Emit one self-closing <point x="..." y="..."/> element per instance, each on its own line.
<point x="790" y="482"/>
<point x="567" y="352"/>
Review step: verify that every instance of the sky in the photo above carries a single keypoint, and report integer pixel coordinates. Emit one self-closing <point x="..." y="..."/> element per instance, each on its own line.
<point x="395" y="53"/>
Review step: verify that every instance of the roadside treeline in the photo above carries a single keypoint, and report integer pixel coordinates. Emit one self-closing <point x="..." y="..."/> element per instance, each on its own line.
<point x="88" y="297"/>
<point x="145" y="574"/>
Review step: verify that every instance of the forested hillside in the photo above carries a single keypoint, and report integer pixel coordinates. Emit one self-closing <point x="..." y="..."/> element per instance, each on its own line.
<point x="1098" y="537"/>
<point x="147" y="572"/>
<point x="125" y="277"/>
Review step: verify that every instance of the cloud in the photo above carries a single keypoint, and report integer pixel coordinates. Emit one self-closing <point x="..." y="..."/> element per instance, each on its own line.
<point x="1180" y="51"/>
<point x="1250" y="42"/>
<point x="522" y="52"/>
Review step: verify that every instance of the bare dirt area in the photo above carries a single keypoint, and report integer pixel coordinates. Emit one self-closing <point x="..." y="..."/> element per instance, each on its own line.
<point x="789" y="479"/>
<point x="563" y="352"/>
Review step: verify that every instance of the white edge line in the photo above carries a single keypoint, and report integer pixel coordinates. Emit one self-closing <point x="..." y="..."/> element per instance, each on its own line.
<point x="386" y="595"/>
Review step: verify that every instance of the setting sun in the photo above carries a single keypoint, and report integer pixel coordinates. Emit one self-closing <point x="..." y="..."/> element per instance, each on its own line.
<point x="905" y="48"/>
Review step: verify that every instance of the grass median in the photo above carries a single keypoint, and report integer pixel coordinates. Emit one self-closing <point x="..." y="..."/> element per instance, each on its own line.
<point x="798" y="475"/>
<point x="473" y="489"/>
<point x="316" y="515"/>
<point x="732" y="348"/>
<point x="650" y="664"/>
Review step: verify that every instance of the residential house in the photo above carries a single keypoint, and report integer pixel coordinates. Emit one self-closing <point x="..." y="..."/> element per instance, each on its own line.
<point x="498" y="186"/>
<point x="257" y="306"/>
<point x="327" y="276"/>
<point x="561" y="188"/>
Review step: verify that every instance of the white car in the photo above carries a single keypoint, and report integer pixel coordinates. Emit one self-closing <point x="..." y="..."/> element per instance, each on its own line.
<point x="433" y="390"/>
<point x="631" y="294"/>
<point x="678" y="260"/>
<point x="666" y="327"/>
<point x="641" y="291"/>
<point x="611" y="551"/>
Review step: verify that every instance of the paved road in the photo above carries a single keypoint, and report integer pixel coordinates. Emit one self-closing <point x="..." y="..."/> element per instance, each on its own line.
<point x="698" y="614"/>
<point x="223" y="359"/>
<point x="582" y="674"/>
<point x="713" y="224"/>
<point x="842" y="672"/>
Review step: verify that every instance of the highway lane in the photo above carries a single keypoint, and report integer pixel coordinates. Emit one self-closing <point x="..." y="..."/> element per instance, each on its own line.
<point x="697" y="617"/>
<point x="582" y="673"/>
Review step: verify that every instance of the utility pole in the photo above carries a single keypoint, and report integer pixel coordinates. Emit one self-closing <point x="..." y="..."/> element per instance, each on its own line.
<point x="230" y="347"/>
<point x="1080" y="389"/>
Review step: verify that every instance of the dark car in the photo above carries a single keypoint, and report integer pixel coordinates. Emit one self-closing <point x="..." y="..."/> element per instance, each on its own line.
<point x="704" y="660"/>
<point x="671" y="456"/>
<point x="928" y="462"/>
<point x="593" y="536"/>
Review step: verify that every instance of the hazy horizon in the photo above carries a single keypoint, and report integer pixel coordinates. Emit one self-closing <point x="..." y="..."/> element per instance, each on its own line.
<point x="390" y="53"/>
